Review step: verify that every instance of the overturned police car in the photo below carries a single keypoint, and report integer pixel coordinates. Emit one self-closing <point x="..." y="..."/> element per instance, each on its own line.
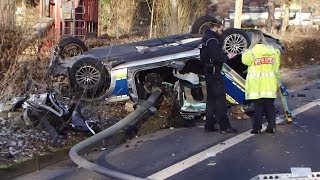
<point x="133" y="70"/>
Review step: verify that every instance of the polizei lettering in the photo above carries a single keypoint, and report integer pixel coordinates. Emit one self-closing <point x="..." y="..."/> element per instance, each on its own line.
<point x="264" y="60"/>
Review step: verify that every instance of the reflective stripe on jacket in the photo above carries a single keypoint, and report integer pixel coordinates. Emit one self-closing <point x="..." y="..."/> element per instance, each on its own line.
<point x="263" y="63"/>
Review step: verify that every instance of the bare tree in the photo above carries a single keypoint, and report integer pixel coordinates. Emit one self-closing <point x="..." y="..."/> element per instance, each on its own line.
<point x="7" y="15"/>
<point x="312" y="11"/>
<point x="238" y="13"/>
<point x="271" y="18"/>
<point x="174" y="16"/>
<point x="151" y="10"/>
<point x="286" y="15"/>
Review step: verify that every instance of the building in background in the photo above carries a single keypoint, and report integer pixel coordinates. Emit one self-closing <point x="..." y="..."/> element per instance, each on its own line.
<point x="77" y="18"/>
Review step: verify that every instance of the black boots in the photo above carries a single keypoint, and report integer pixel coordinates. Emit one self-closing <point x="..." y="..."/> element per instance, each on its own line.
<point x="214" y="129"/>
<point x="255" y="131"/>
<point x="270" y="130"/>
<point x="229" y="130"/>
<point x="206" y="130"/>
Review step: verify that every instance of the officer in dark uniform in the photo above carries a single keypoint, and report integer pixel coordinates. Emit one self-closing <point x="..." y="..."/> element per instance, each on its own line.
<point x="212" y="57"/>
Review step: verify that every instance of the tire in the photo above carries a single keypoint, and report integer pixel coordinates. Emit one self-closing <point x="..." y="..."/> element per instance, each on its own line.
<point x="201" y="24"/>
<point x="236" y="40"/>
<point x="90" y="78"/>
<point x="71" y="46"/>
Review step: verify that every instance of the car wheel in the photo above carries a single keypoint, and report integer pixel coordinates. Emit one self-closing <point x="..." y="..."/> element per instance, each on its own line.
<point x="71" y="46"/>
<point x="235" y="40"/>
<point x="91" y="77"/>
<point x="202" y="24"/>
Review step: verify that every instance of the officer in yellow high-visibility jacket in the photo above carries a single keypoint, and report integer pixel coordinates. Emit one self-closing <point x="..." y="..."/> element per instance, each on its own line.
<point x="261" y="86"/>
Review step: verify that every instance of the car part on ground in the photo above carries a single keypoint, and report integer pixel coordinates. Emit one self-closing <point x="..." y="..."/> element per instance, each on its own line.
<point x="83" y="124"/>
<point x="47" y="101"/>
<point x="48" y="110"/>
<point x="71" y="46"/>
<point x="75" y="157"/>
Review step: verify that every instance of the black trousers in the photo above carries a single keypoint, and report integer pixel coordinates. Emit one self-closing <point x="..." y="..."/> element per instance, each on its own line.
<point x="216" y="105"/>
<point x="264" y="106"/>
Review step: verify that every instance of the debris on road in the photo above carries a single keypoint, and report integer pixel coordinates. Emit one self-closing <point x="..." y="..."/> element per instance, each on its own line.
<point x="211" y="164"/>
<point x="211" y="154"/>
<point x="301" y="95"/>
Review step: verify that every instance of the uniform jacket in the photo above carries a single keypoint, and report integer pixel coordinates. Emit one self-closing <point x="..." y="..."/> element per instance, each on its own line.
<point x="211" y="52"/>
<point x="263" y="71"/>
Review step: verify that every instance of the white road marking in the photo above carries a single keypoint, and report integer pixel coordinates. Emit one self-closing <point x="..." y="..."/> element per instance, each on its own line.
<point x="191" y="161"/>
<point x="305" y="107"/>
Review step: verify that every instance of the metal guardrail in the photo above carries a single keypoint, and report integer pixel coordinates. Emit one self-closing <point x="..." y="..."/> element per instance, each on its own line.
<point x="287" y="176"/>
<point x="75" y="157"/>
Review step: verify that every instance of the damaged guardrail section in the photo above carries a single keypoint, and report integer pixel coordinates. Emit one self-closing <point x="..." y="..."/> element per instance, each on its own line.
<point x="73" y="153"/>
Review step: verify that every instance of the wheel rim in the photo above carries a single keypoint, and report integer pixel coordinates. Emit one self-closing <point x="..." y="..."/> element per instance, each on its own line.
<point x="235" y="43"/>
<point x="87" y="76"/>
<point x="204" y="27"/>
<point x="72" y="50"/>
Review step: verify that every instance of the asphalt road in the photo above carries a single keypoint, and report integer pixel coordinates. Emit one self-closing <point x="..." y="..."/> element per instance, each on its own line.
<point x="294" y="145"/>
<point x="189" y="153"/>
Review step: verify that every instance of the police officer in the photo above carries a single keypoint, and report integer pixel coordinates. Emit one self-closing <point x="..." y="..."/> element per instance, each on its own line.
<point x="212" y="57"/>
<point x="263" y="63"/>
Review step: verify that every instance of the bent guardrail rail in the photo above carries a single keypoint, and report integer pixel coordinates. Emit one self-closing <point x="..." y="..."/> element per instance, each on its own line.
<point x="73" y="153"/>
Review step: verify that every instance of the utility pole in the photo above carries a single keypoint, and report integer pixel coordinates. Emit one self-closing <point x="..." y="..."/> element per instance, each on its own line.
<point x="238" y="14"/>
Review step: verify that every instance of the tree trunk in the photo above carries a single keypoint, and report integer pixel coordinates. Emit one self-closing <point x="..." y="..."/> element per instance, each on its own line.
<point x="24" y="12"/>
<point x="286" y="16"/>
<point x="174" y="17"/>
<point x="151" y="19"/>
<point x="238" y="13"/>
<point x="271" y="19"/>
<point x="7" y="15"/>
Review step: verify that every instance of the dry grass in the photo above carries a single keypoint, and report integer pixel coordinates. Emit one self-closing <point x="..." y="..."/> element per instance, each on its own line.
<point x="301" y="48"/>
<point x="133" y="17"/>
<point x="18" y="62"/>
<point x="118" y="16"/>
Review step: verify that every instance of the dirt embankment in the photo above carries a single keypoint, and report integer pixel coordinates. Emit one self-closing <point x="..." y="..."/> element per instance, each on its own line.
<point x="301" y="48"/>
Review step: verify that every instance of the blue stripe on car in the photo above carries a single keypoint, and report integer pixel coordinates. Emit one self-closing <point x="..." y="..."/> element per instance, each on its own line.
<point x="121" y="87"/>
<point x="234" y="91"/>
